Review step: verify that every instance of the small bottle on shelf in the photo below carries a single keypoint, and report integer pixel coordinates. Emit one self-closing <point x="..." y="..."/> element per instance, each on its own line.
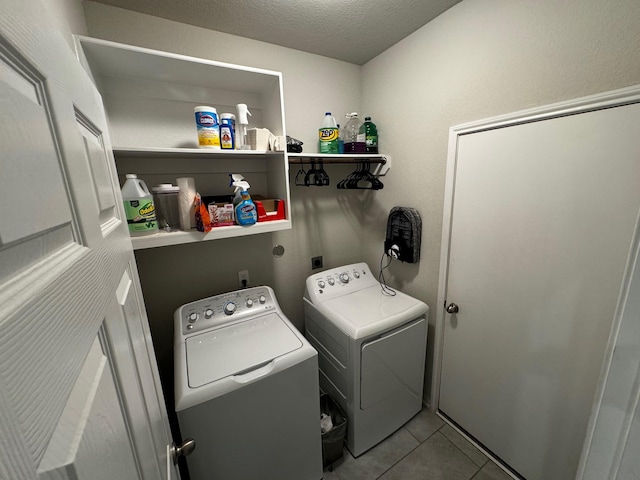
<point x="371" y="135"/>
<point x="354" y="141"/>
<point x="328" y="135"/>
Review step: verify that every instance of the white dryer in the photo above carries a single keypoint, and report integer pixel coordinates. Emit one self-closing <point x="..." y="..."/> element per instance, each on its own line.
<point x="372" y="349"/>
<point x="246" y="389"/>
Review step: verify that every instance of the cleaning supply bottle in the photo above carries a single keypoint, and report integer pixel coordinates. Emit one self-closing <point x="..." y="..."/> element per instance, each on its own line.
<point x="243" y="121"/>
<point x="354" y="141"/>
<point x="139" y="207"/>
<point x="340" y="139"/>
<point x="227" y="141"/>
<point x="328" y="135"/>
<point x="243" y="207"/>
<point x="371" y="135"/>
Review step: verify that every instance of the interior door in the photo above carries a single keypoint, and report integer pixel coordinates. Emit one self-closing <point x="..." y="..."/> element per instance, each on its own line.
<point x="543" y="213"/>
<point x="80" y="396"/>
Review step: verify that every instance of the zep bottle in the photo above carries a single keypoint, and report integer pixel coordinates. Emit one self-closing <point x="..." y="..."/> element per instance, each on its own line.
<point x="207" y="126"/>
<point x="139" y="207"/>
<point x="328" y="135"/>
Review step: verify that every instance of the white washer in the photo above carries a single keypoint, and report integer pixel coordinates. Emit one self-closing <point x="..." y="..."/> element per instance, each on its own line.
<point x="246" y="389"/>
<point x="372" y="349"/>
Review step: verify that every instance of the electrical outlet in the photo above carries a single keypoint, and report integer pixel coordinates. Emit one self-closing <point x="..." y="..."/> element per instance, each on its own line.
<point x="243" y="278"/>
<point x="316" y="262"/>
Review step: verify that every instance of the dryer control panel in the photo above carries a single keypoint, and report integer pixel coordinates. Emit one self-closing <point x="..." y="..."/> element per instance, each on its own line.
<point x="224" y="309"/>
<point x="339" y="281"/>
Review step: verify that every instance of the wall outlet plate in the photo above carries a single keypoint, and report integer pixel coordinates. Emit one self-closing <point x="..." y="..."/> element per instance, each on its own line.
<point x="316" y="262"/>
<point x="243" y="278"/>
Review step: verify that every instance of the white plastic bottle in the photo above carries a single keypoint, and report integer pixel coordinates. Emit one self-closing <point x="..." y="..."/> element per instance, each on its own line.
<point x="139" y="207"/>
<point x="328" y="135"/>
<point x="241" y="129"/>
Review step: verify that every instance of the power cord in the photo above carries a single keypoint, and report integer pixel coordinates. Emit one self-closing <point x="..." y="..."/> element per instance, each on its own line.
<point x="386" y="289"/>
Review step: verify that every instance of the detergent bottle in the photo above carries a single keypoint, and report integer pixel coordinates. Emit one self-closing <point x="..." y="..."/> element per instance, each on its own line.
<point x="243" y="207"/>
<point x="139" y="207"/>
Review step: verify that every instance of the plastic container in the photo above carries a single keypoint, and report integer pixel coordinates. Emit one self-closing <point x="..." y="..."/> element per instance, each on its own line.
<point x="328" y="135"/>
<point x="207" y="126"/>
<point x="227" y="138"/>
<point x="139" y="207"/>
<point x="340" y="140"/>
<point x="332" y="441"/>
<point x="370" y="135"/>
<point x="165" y="197"/>
<point x="354" y="141"/>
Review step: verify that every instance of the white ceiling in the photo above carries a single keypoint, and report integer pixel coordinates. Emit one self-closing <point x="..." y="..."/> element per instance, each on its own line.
<point x="351" y="30"/>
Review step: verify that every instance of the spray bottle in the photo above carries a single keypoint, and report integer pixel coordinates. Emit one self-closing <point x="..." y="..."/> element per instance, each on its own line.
<point x="243" y="207"/>
<point x="243" y="121"/>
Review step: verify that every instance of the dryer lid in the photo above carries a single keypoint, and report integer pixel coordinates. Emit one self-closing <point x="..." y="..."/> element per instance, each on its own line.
<point x="237" y="348"/>
<point x="369" y="311"/>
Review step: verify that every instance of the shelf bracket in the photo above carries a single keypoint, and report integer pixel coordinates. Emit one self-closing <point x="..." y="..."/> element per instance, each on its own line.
<point x="383" y="168"/>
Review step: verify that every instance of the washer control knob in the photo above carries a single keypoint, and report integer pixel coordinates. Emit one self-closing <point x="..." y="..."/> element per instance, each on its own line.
<point x="193" y="317"/>
<point x="189" y="327"/>
<point x="262" y="299"/>
<point x="356" y="274"/>
<point x="331" y="281"/>
<point x="249" y="303"/>
<point x="344" y="278"/>
<point x="208" y="313"/>
<point x="229" y="308"/>
<point x="321" y="283"/>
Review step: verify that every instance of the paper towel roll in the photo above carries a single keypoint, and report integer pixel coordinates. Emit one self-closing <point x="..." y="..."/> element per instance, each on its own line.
<point x="185" y="202"/>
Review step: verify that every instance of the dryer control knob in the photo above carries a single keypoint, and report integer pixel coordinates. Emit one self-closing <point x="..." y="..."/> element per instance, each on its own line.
<point x="262" y="299"/>
<point x="193" y="317"/>
<point x="229" y="308"/>
<point x="344" y="278"/>
<point x="208" y="313"/>
<point x="331" y="281"/>
<point x="249" y="303"/>
<point x="321" y="283"/>
<point x="356" y="274"/>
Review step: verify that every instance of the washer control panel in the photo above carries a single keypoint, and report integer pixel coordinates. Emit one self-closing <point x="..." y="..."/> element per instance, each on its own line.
<point x="339" y="281"/>
<point x="224" y="309"/>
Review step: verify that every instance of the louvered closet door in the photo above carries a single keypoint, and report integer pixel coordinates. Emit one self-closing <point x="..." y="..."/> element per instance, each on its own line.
<point x="79" y="392"/>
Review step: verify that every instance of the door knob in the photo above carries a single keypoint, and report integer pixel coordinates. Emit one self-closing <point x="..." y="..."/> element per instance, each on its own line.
<point x="182" y="450"/>
<point x="453" y="308"/>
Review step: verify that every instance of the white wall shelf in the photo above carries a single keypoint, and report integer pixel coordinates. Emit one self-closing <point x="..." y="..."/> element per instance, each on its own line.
<point x="149" y="98"/>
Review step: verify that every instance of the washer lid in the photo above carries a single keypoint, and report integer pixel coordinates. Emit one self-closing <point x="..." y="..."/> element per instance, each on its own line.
<point x="369" y="311"/>
<point x="231" y="350"/>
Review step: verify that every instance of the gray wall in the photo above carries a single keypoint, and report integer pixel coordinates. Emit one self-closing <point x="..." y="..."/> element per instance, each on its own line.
<point x="479" y="59"/>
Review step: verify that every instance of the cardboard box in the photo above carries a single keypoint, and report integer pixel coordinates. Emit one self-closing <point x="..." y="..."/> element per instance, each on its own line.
<point x="270" y="209"/>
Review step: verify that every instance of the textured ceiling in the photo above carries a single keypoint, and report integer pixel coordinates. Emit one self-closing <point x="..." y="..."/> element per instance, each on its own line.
<point x="351" y="30"/>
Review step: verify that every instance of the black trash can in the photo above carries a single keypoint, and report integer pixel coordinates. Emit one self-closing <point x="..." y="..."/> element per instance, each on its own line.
<point x="332" y="441"/>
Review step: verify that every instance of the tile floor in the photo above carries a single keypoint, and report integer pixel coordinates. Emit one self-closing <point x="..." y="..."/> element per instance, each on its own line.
<point x="426" y="448"/>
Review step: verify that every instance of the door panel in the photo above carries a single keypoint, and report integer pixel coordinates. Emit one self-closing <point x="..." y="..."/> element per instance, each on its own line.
<point x="36" y="221"/>
<point x="542" y="221"/>
<point x="87" y="442"/>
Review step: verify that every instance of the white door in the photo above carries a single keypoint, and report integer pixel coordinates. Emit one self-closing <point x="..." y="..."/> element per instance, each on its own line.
<point x="613" y="442"/>
<point x="80" y="396"/>
<point x="542" y="218"/>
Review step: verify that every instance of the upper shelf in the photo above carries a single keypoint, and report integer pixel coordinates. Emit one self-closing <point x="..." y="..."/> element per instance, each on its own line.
<point x="383" y="161"/>
<point x="189" y="152"/>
